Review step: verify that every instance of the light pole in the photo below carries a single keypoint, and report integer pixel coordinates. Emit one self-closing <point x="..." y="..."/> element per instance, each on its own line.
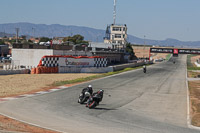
<point x="17" y="34"/>
<point x="144" y="46"/>
<point x="33" y="29"/>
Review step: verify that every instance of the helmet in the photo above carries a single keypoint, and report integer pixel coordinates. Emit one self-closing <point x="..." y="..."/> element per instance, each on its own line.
<point x="101" y="90"/>
<point x="89" y="86"/>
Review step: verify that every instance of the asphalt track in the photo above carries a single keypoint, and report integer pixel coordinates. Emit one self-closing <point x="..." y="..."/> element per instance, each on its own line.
<point x="134" y="102"/>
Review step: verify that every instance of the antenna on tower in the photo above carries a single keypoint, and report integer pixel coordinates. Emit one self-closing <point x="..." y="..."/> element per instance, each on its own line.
<point x="114" y="13"/>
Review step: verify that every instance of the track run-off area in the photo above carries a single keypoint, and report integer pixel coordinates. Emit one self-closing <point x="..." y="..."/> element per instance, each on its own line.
<point x="134" y="102"/>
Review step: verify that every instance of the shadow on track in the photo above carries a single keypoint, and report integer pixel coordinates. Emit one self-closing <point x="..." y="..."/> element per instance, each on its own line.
<point x="104" y="108"/>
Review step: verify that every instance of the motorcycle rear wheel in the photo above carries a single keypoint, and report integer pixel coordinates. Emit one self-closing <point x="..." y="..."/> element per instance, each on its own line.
<point x="92" y="105"/>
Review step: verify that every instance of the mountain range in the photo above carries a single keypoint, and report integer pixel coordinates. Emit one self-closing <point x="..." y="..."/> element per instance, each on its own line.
<point x="91" y="34"/>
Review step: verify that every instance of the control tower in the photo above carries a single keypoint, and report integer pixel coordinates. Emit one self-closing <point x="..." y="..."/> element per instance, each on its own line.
<point x="116" y="33"/>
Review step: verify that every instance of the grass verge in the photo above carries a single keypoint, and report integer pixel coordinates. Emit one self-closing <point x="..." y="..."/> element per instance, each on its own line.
<point x="168" y="57"/>
<point x="59" y="83"/>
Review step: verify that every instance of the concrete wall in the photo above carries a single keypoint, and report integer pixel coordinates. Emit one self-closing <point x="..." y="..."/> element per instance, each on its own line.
<point x="85" y="70"/>
<point x="97" y="70"/>
<point x="123" y="66"/>
<point x="100" y="69"/>
<point x="29" y="57"/>
<point x="9" y="72"/>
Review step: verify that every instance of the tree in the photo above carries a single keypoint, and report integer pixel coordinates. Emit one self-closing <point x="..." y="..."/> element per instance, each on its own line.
<point x="44" y="39"/>
<point x="23" y="37"/>
<point x="30" y="41"/>
<point x="69" y="39"/>
<point x="2" y="42"/>
<point x="129" y="50"/>
<point x="76" y="39"/>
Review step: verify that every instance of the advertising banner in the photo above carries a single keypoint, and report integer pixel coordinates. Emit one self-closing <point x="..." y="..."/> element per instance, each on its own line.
<point x="161" y="50"/>
<point x="71" y="62"/>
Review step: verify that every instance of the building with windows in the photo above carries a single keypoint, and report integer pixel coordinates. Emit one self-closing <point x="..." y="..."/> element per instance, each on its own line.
<point x="116" y="34"/>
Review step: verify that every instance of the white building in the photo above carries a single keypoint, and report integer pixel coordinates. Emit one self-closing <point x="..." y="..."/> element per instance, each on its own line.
<point x="116" y="34"/>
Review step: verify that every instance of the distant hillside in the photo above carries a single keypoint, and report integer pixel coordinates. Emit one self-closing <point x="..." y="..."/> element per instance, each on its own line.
<point x="54" y="30"/>
<point x="91" y="34"/>
<point x="167" y="42"/>
<point x="3" y="34"/>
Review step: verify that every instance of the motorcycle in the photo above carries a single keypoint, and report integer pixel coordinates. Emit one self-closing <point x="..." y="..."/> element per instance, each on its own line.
<point x="83" y="97"/>
<point x="95" y="99"/>
<point x="144" y="70"/>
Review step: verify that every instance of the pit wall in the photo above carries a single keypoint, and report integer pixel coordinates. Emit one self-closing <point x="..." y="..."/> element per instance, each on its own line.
<point x="123" y="66"/>
<point x="101" y="69"/>
<point x="85" y="70"/>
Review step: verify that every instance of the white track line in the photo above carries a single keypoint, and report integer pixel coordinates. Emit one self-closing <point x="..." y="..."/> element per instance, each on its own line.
<point x="32" y="94"/>
<point x="31" y="123"/>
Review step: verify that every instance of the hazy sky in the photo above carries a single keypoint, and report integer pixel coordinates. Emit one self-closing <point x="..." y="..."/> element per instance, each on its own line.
<point x="156" y="19"/>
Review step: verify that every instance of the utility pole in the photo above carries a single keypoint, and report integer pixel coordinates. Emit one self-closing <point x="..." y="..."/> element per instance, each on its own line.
<point x="71" y="32"/>
<point x="4" y="33"/>
<point x="33" y="29"/>
<point x="17" y="34"/>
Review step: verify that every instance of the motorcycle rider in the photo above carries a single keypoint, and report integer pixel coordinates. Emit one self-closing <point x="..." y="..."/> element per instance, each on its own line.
<point x="85" y="94"/>
<point x="88" y="89"/>
<point x="144" y="68"/>
<point x="98" y="94"/>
